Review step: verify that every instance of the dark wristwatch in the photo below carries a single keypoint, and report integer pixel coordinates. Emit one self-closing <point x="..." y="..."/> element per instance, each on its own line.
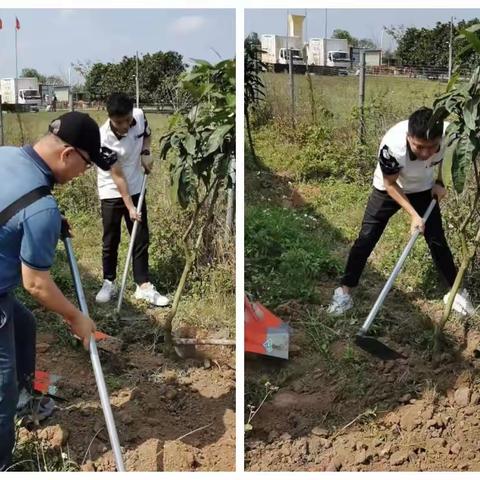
<point x="145" y="151"/>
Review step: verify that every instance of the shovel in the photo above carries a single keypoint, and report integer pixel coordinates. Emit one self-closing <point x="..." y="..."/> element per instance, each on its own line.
<point x="130" y="246"/>
<point x="371" y="344"/>
<point x="97" y="367"/>
<point x="265" y="333"/>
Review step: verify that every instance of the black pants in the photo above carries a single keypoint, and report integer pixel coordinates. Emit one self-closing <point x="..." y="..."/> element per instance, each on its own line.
<point x="380" y="208"/>
<point x="113" y="210"/>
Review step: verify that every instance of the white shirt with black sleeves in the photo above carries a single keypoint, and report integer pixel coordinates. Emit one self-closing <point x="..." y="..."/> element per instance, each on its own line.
<point x="395" y="156"/>
<point x="128" y="149"/>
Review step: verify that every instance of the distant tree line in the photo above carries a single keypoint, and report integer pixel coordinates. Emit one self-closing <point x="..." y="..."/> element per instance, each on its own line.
<point x="43" y="79"/>
<point x="430" y="46"/>
<point x="158" y="78"/>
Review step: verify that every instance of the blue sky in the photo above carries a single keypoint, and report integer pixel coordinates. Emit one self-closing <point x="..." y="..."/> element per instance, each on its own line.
<point x="361" y="23"/>
<point x="49" y="40"/>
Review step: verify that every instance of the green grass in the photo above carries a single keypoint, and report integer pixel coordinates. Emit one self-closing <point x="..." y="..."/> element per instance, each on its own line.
<point x="394" y="97"/>
<point x="285" y="254"/>
<point x="34" y="125"/>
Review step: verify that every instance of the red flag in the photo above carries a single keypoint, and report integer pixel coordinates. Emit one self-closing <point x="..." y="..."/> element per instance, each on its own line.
<point x="17" y="24"/>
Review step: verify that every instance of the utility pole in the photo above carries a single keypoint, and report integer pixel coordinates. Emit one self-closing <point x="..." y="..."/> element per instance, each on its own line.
<point x="231" y="202"/>
<point x="326" y="23"/>
<point x="292" y="85"/>
<point x="450" y="50"/>
<point x="70" y="92"/>
<point x="361" y="97"/>
<point x="137" y="88"/>
<point x="381" y="46"/>
<point x="15" y="83"/>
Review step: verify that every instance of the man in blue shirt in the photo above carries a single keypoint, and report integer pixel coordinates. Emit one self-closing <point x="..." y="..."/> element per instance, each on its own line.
<point x="27" y="248"/>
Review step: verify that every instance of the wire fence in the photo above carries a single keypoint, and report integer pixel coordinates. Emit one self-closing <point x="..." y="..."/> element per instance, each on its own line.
<point x="368" y="98"/>
<point x="427" y="72"/>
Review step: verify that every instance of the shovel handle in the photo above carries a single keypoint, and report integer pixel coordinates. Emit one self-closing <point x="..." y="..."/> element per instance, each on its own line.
<point x="398" y="267"/>
<point x="130" y="246"/>
<point x="97" y="367"/>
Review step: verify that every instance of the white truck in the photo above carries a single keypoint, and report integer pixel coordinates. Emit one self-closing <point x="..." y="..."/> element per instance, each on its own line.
<point x="23" y="91"/>
<point x="328" y="52"/>
<point x="276" y="50"/>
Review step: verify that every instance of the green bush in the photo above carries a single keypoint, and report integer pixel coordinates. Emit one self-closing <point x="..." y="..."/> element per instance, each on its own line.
<point x="322" y="154"/>
<point x="79" y="196"/>
<point x="285" y="255"/>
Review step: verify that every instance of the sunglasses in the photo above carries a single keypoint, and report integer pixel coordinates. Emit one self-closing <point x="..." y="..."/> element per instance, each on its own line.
<point x="84" y="158"/>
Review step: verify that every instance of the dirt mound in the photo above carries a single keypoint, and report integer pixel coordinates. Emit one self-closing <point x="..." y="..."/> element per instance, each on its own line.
<point x="158" y="405"/>
<point x="414" y="414"/>
<point x="347" y="411"/>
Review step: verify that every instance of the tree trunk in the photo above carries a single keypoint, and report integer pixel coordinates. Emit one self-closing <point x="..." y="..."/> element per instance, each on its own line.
<point x="191" y="253"/>
<point x="468" y="257"/>
<point x="230" y="216"/>
<point x="250" y="140"/>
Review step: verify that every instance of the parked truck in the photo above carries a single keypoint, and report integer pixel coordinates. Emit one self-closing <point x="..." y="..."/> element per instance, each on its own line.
<point x="276" y="50"/>
<point x="328" y="52"/>
<point x="21" y="91"/>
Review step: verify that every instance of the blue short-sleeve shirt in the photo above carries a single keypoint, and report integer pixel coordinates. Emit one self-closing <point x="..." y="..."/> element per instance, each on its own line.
<point x="30" y="236"/>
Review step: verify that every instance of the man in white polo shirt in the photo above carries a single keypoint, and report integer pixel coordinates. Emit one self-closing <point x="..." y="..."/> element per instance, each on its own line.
<point x="404" y="178"/>
<point x="127" y="134"/>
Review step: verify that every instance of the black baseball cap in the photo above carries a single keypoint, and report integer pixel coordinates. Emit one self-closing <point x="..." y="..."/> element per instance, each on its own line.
<point x="80" y="130"/>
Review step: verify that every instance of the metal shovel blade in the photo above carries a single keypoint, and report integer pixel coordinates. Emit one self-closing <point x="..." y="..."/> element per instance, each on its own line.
<point x="376" y="348"/>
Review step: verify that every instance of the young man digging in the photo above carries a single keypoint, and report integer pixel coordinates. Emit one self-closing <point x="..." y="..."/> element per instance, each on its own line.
<point x="404" y="178"/>
<point x="127" y="134"/>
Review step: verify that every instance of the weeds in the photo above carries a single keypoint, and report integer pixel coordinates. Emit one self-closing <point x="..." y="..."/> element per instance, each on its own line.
<point x="285" y="255"/>
<point x="32" y="455"/>
<point x="253" y="410"/>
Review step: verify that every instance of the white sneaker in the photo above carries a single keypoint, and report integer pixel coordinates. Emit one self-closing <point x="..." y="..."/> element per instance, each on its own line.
<point x="150" y="294"/>
<point x="462" y="303"/>
<point x="35" y="410"/>
<point x="24" y="397"/>
<point x="341" y="302"/>
<point x="107" y="292"/>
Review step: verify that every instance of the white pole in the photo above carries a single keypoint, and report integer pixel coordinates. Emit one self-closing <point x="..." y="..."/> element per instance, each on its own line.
<point x="381" y="46"/>
<point x="326" y="23"/>
<point x="16" y="54"/>
<point x="136" y="82"/>
<point x="450" y="50"/>
<point x="70" y="93"/>
<point x="15" y="83"/>
<point x="131" y="244"/>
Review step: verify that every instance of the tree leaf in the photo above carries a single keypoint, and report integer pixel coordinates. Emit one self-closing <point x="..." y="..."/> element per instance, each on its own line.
<point x="447" y="163"/>
<point x="190" y="144"/>
<point x="217" y="138"/>
<point x="453" y="80"/>
<point x="473" y="40"/>
<point x="461" y="160"/>
<point x="174" y="185"/>
<point x="439" y="114"/>
<point x="202" y="62"/>
<point x="470" y="112"/>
